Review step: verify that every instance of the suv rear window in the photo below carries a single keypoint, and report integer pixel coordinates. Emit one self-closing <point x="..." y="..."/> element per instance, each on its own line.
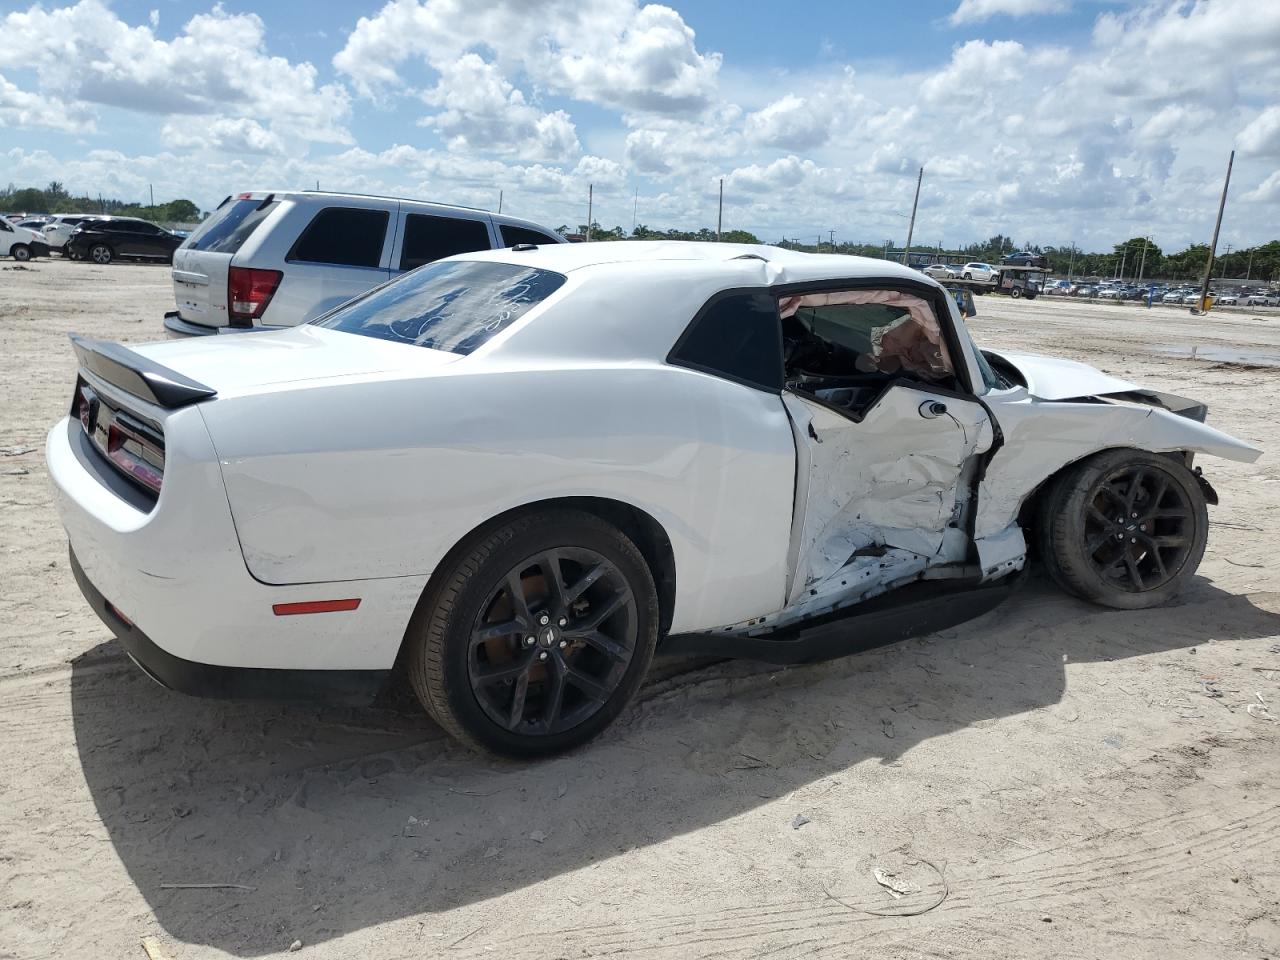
<point x="428" y="238"/>
<point x="454" y="306"/>
<point x="347" y="236"/>
<point x="228" y="227"/>
<point x="511" y="235"/>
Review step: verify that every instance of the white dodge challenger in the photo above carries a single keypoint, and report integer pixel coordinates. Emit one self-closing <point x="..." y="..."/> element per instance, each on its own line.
<point x="513" y="475"/>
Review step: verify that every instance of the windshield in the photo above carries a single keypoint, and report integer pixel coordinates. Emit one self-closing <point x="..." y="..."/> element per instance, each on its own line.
<point x="454" y="305"/>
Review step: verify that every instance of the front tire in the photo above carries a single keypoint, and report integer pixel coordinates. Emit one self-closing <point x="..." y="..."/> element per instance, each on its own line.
<point x="100" y="253"/>
<point x="20" y="252"/>
<point x="536" y="635"/>
<point x="1124" y="528"/>
<point x="968" y="275"/>
<point x="1016" y="293"/>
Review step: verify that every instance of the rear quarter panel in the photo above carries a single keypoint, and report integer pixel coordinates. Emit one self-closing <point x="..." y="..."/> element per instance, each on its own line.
<point x="381" y="477"/>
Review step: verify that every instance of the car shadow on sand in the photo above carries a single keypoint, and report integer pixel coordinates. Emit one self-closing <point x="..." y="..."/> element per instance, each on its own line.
<point x="336" y="819"/>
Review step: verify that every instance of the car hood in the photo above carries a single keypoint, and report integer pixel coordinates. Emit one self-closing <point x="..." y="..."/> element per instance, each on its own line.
<point x="1052" y="378"/>
<point x="234" y="364"/>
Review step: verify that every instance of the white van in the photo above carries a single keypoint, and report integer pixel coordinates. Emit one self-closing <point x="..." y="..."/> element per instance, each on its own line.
<point x="278" y="259"/>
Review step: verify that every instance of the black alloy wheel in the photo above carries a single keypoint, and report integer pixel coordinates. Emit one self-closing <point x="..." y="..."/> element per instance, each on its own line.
<point x="553" y="642"/>
<point x="1138" y="528"/>
<point x="534" y="633"/>
<point x="1125" y="528"/>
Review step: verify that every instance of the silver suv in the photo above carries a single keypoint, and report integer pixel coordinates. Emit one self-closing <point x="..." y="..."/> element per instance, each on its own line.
<point x="277" y="259"/>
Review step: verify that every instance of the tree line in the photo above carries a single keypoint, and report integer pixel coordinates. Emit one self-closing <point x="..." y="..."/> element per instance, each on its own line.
<point x="1134" y="256"/>
<point x="55" y="199"/>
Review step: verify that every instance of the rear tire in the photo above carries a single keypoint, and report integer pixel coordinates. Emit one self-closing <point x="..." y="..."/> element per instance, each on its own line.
<point x="968" y="275"/>
<point x="20" y="252"/>
<point x="1016" y="293"/>
<point x="470" y="660"/>
<point x="100" y="253"/>
<point x="1123" y="528"/>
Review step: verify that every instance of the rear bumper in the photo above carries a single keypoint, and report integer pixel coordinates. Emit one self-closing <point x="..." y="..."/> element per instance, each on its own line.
<point x="175" y="328"/>
<point x="175" y="570"/>
<point x="236" y="683"/>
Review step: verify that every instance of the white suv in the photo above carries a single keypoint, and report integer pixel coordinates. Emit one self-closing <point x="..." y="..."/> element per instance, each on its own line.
<point x="58" y="230"/>
<point x="276" y="259"/>
<point x="978" y="271"/>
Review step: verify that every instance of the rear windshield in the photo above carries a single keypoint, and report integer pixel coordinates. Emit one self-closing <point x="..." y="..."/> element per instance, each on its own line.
<point x="228" y="227"/>
<point x="454" y="306"/>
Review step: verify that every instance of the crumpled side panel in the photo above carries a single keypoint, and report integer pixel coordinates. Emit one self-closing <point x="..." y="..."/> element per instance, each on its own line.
<point x="1041" y="437"/>
<point x="889" y="481"/>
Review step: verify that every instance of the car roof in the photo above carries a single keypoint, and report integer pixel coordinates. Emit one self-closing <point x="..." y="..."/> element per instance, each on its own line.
<point x="789" y="266"/>
<point x="320" y="195"/>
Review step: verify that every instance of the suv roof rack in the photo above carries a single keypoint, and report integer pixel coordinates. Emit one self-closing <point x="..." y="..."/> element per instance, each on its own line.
<point x="379" y="196"/>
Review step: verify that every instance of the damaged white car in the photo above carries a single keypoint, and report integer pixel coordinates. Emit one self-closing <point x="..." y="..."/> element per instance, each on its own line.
<point x="514" y="474"/>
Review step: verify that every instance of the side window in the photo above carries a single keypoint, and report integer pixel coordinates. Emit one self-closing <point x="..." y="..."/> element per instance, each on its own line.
<point x="141" y="226"/>
<point x="428" y="238"/>
<point x="862" y="338"/>
<point x="347" y="236"/>
<point x="512" y="235"/>
<point x="736" y="337"/>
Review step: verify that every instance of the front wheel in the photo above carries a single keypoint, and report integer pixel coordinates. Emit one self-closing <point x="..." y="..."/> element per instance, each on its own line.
<point x="536" y="636"/>
<point x="1016" y="293"/>
<point x="20" y="252"/>
<point x="968" y="276"/>
<point x="1124" y="528"/>
<point x="101" y="253"/>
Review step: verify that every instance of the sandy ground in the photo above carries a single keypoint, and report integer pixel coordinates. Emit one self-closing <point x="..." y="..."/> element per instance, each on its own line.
<point x="1061" y="766"/>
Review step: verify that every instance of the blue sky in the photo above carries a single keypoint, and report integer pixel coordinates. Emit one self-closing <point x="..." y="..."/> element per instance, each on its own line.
<point x="1054" y="121"/>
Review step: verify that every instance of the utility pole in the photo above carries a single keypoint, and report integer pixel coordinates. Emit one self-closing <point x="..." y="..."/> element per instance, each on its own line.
<point x="1248" y="274"/>
<point x="911" y="229"/>
<point x="499" y="201"/>
<point x="590" y="200"/>
<point x="1124" y="255"/>
<point x="1072" y="265"/>
<point x="152" y="188"/>
<point x="1223" y="275"/>
<point x="831" y="240"/>
<point x="1213" y="247"/>
<point x="635" y="209"/>
<point x="720" y="214"/>
<point x="1143" y="262"/>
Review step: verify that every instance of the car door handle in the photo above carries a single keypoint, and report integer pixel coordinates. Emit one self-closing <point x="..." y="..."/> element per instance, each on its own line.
<point x="933" y="409"/>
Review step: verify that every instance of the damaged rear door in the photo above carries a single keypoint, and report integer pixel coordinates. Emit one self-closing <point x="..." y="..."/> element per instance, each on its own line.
<point x="888" y="442"/>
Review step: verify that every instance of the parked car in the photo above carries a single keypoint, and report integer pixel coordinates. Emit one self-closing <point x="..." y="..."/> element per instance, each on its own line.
<point x="1025" y="259"/>
<point x="104" y="239"/>
<point x="1173" y="296"/>
<point x="978" y="271"/>
<point x="20" y="243"/>
<point x="281" y="258"/>
<point x="58" y="230"/>
<point x="34" y="224"/>
<point x="1057" y="287"/>
<point x="942" y="271"/>
<point x="1084" y="290"/>
<point x="1108" y="292"/>
<point x="1227" y="299"/>
<point x="468" y="472"/>
<point x="1263" y="300"/>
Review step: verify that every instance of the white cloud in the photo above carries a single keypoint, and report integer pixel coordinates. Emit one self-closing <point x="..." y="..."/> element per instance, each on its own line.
<point x="611" y="52"/>
<point x="1262" y="136"/>
<point x="25" y="110"/>
<point x="487" y="114"/>
<point x="975" y="11"/>
<point x="238" y="135"/>
<point x="1266" y="192"/>
<point x="217" y="65"/>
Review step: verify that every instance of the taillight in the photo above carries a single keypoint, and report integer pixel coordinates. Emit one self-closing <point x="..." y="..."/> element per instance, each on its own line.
<point x="135" y="455"/>
<point x="248" y="293"/>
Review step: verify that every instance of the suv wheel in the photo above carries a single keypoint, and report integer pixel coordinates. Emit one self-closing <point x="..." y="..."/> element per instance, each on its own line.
<point x="100" y="253"/>
<point x="536" y="636"/>
<point x="1124" y="528"/>
<point x="20" y="252"/>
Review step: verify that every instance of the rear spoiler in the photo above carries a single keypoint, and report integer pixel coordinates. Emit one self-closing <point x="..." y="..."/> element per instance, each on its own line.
<point x="136" y="374"/>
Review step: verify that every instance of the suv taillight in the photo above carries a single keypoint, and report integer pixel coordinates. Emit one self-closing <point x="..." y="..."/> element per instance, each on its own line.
<point x="248" y="293"/>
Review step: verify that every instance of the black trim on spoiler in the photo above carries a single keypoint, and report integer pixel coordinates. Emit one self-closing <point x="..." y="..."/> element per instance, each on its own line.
<point x="138" y="375"/>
